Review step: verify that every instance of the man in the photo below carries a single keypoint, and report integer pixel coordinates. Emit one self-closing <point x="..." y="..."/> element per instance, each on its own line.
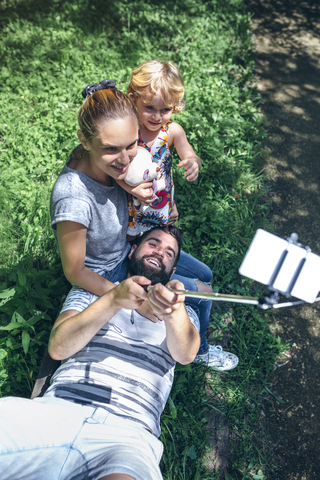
<point x="100" y="417"/>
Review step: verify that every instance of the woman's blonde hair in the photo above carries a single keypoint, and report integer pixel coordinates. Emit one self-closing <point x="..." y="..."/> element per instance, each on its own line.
<point x="153" y="77"/>
<point x="101" y="106"/>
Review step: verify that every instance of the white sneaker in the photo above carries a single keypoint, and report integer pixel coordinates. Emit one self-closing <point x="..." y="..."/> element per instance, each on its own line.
<point x="217" y="359"/>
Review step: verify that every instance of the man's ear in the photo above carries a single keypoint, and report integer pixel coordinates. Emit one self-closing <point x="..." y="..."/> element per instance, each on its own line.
<point x="133" y="248"/>
<point x="173" y="272"/>
<point x="83" y="140"/>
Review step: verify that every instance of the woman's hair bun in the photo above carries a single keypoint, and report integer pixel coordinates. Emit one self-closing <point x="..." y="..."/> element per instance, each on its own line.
<point x="94" y="87"/>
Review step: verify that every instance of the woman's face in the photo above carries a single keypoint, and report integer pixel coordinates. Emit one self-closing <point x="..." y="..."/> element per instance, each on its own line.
<point x="112" y="149"/>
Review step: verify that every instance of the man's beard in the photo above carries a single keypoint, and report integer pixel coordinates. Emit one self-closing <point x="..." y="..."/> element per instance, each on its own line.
<point x="138" y="266"/>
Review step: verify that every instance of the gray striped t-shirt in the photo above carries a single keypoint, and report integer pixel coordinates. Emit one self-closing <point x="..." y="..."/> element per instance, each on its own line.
<point x="125" y="368"/>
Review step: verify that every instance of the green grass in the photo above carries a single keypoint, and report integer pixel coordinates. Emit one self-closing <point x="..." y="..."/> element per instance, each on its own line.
<point x="49" y="51"/>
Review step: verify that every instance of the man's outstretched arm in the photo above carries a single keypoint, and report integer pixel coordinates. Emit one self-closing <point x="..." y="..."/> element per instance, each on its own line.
<point x="72" y="331"/>
<point x="183" y="340"/>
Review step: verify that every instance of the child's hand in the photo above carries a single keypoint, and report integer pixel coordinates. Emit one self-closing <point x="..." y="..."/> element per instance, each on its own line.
<point x="144" y="193"/>
<point x="192" y="166"/>
<point x="174" y="215"/>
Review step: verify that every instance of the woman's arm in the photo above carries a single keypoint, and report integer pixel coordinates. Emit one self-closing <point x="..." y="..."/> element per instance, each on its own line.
<point x="143" y="191"/>
<point x="189" y="160"/>
<point x="72" y="245"/>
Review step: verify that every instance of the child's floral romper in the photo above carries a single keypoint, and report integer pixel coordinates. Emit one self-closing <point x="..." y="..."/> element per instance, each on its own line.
<point x="158" y="213"/>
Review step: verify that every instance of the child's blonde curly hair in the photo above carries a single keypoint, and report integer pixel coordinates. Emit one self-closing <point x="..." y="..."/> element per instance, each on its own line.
<point x="153" y="77"/>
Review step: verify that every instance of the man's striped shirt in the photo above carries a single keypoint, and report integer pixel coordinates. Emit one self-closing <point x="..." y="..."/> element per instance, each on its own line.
<point x="125" y="368"/>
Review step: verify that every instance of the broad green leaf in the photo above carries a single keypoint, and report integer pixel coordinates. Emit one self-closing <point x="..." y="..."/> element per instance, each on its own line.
<point x="12" y="326"/>
<point x="7" y="293"/>
<point x="25" y="341"/>
<point x="3" y="374"/>
<point x="172" y="407"/>
<point x="35" y="319"/>
<point x="3" y="354"/>
<point x="192" y="453"/>
<point x="22" y="278"/>
<point x="17" y="317"/>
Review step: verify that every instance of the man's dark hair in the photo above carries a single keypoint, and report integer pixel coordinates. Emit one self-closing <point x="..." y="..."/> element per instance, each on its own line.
<point x="175" y="232"/>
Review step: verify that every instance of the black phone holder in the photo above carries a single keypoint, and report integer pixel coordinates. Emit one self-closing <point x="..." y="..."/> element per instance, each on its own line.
<point x="272" y="301"/>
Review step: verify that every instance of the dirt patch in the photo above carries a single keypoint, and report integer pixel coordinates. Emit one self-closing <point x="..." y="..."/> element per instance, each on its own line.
<point x="287" y="41"/>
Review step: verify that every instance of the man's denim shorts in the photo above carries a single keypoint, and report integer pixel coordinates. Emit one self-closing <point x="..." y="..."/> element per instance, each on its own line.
<point x="54" y="439"/>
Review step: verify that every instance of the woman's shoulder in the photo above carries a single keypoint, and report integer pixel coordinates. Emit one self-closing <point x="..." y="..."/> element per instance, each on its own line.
<point x="67" y="178"/>
<point x="74" y="184"/>
<point x="71" y="184"/>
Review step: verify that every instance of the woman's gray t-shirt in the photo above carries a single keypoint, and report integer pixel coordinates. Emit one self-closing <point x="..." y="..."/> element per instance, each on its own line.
<point x="102" y="210"/>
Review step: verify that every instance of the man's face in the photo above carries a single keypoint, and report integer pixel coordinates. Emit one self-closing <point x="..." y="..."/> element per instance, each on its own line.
<point x="154" y="257"/>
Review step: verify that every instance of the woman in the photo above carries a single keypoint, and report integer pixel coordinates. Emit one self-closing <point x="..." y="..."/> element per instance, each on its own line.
<point x="89" y="210"/>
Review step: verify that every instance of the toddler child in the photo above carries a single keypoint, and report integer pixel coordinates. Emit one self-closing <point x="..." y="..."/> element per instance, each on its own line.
<point x="157" y="90"/>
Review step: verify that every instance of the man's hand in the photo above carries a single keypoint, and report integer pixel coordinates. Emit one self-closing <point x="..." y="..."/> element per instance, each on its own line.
<point x="146" y="311"/>
<point x="163" y="301"/>
<point x="192" y="166"/>
<point x="129" y="294"/>
<point x="159" y="299"/>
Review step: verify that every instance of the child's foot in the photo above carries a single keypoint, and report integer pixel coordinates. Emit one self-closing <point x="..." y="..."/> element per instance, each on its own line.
<point x="217" y="359"/>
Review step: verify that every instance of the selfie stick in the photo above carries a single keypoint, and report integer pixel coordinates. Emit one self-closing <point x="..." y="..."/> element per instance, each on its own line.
<point x="284" y="266"/>
<point x="263" y="302"/>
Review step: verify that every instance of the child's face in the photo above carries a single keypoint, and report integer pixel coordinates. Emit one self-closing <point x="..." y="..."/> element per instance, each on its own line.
<point x="154" y="114"/>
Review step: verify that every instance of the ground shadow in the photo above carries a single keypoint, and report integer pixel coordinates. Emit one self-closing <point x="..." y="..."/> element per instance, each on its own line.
<point x="286" y="35"/>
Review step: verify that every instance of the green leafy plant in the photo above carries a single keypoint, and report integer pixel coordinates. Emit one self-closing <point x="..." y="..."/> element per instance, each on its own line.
<point x="29" y="301"/>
